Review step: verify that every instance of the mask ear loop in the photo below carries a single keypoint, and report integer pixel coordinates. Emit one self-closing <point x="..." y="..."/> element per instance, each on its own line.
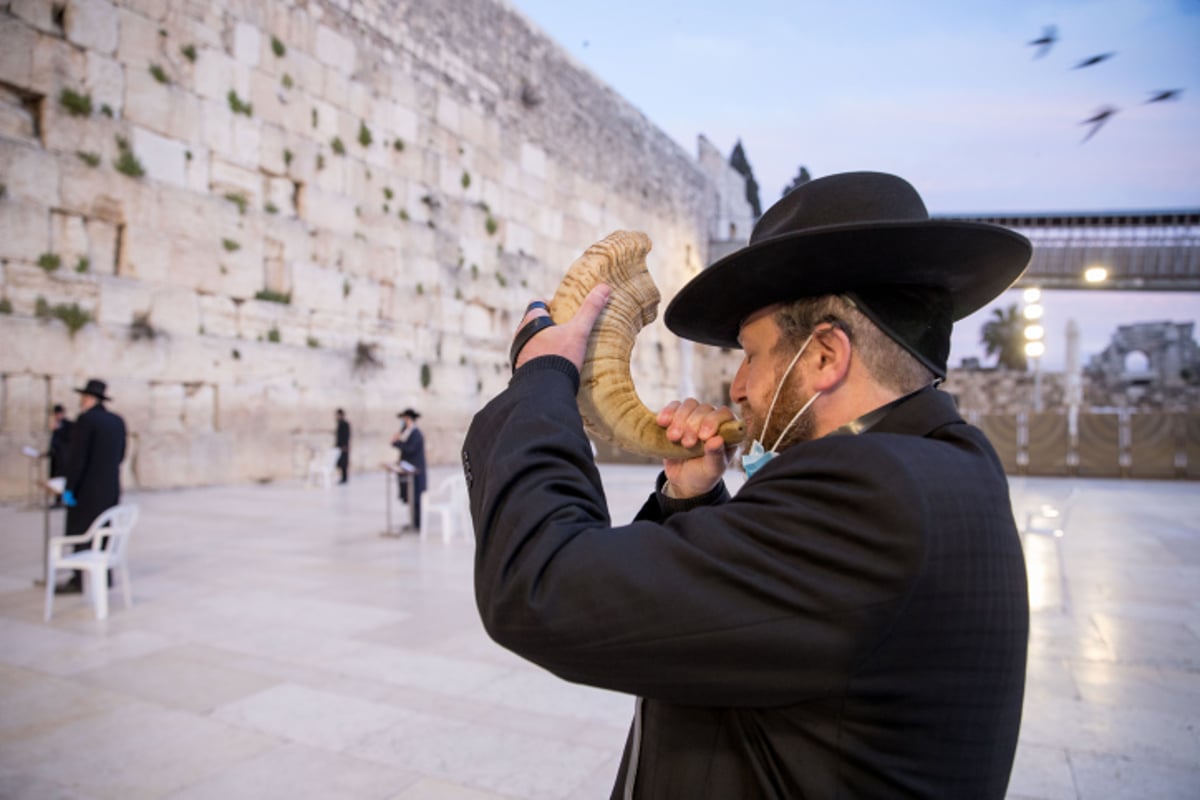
<point x="799" y="414"/>
<point x="783" y="380"/>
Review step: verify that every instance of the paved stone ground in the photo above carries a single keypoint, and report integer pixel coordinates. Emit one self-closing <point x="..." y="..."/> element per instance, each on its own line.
<point x="279" y="647"/>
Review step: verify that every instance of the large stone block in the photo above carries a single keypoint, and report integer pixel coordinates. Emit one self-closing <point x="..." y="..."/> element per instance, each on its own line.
<point x="92" y="24"/>
<point x="335" y="50"/>
<point x="104" y="79"/>
<point x="246" y="43"/>
<point x="37" y="13"/>
<point x="24" y="229"/>
<point x="145" y="254"/>
<point x="56" y="64"/>
<point x="16" y="56"/>
<point x="25" y="403"/>
<point x="29" y="174"/>
<point x="121" y="300"/>
<point x="164" y="159"/>
<point x="139" y="44"/>
<point x="68" y="240"/>
<point x="218" y="316"/>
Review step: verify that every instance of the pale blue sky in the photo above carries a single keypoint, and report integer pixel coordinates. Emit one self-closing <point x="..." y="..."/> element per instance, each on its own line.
<point x="945" y="93"/>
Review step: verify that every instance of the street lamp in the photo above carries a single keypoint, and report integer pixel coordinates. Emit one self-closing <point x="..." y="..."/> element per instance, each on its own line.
<point x="1095" y="274"/>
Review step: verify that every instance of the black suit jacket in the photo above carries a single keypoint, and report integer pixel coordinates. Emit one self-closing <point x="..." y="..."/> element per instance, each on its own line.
<point x="94" y="466"/>
<point x="852" y="624"/>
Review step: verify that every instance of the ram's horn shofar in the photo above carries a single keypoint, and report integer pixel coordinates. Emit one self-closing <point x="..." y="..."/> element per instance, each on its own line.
<point x="608" y="402"/>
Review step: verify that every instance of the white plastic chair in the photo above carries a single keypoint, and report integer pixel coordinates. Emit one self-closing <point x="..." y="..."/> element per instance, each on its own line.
<point x="451" y="503"/>
<point x="113" y="528"/>
<point x="322" y="467"/>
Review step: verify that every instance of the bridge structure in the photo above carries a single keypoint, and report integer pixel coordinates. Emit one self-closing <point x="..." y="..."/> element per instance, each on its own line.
<point x="1113" y="250"/>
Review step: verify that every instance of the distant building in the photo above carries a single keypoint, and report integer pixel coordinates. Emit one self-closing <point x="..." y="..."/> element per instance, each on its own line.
<point x="1154" y="354"/>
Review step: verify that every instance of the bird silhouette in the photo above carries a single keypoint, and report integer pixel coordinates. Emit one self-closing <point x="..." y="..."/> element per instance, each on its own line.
<point x="1044" y="42"/>
<point x="1090" y="62"/>
<point x="1097" y="120"/>
<point x="1160" y="95"/>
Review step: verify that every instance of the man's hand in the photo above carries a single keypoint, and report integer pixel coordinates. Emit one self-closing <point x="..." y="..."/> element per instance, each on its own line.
<point x="568" y="340"/>
<point x="689" y="423"/>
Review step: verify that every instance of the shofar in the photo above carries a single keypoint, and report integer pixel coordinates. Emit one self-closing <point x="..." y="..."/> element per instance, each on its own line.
<point x="607" y="400"/>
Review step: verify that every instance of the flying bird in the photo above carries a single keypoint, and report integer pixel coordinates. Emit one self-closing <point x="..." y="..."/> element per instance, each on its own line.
<point x="1164" y="94"/>
<point x="1090" y="62"/>
<point x="1044" y="42"/>
<point x="1097" y="121"/>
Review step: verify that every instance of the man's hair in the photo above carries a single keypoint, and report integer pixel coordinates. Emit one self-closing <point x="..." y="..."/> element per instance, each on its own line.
<point x="888" y="363"/>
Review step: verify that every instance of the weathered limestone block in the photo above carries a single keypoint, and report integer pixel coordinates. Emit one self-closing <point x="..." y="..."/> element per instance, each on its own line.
<point x="29" y="174"/>
<point x="169" y="460"/>
<point x="199" y="407"/>
<point x="257" y="318"/>
<point x="37" y="13"/>
<point x="101" y="247"/>
<point x="92" y="24"/>
<point x="320" y="288"/>
<point x="105" y="81"/>
<point x="246" y="39"/>
<point x="138" y="44"/>
<point x="335" y="90"/>
<point x="16" y="56"/>
<point x="269" y="98"/>
<point x="24" y="230"/>
<point x="68" y="240"/>
<point x="218" y="316"/>
<point x="228" y="178"/>
<point x="163" y="159"/>
<point x="332" y="211"/>
<point x="146" y="254"/>
<point x="175" y="311"/>
<point x="215" y="75"/>
<point x="56" y="64"/>
<point x="25" y="403"/>
<point x="166" y="409"/>
<point x="334" y="50"/>
<point x="121" y="299"/>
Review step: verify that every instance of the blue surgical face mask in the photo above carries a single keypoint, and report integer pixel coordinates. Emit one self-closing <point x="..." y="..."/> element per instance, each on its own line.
<point x="754" y="460"/>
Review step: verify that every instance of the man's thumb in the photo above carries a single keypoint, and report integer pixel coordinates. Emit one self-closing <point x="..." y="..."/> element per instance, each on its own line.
<point x="593" y="304"/>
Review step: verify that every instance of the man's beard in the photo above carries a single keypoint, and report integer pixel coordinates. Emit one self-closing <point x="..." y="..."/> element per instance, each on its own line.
<point x="791" y="400"/>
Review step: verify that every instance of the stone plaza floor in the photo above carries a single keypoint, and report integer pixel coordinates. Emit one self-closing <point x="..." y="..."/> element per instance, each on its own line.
<point x="280" y="647"/>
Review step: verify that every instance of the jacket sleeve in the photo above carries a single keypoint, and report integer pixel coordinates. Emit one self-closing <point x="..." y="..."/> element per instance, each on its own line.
<point x="78" y="452"/>
<point x="759" y="600"/>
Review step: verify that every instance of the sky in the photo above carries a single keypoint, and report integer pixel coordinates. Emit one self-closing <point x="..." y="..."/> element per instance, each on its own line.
<point x="948" y="94"/>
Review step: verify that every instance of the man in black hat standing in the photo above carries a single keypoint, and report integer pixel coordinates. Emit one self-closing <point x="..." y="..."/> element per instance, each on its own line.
<point x="854" y="622"/>
<point x="93" y="468"/>
<point x="60" y="440"/>
<point x="341" y="440"/>
<point x="411" y="444"/>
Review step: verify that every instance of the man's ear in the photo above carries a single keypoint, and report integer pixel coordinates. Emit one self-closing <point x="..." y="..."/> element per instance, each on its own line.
<point x="831" y="357"/>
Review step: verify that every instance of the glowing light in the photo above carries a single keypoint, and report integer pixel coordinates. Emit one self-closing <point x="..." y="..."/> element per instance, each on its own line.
<point x="1095" y="275"/>
<point x="1032" y="294"/>
<point x="1035" y="349"/>
<point x="1033" y="312"/>
<point x="1034" y="332"/>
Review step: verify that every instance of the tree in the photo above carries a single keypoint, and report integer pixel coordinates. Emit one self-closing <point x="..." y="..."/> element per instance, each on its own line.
<point x="737" y="160"/>
<point x="802" y="177"/>
<point x="1004" y="337"/>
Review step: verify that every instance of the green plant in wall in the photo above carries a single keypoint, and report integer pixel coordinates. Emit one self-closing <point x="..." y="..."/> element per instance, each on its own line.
<point x="82" y="265"/>
<point x="238" y="199"/>
<point x="73" y="315"/>
<point x="387" y="193"/>
<point x="49" y="261"/>
<point x="91" y="159"/>
<point x="474" y="272"/>
<point x="277" y="47"/>
<point x="491" y="225"/>
<point x="312" y="342"/>
<point x="345" y="287"/>
<point x="127" y="163"/>
<point x="76" y="104"/>
<point x="426" y="376"/>
<point x="273" y="334"/>
<point x="320" y="162"/>
<point x="189" y="52"/>
<point x="159" y="74"/>
<point x="404" y="214"/>
<point x="237" y="105"/>
<point x="271" y="208"/>
<point x="286" y="80"/>
<point x="365" y="356"/>
<point x="364" y="134"/>
<point x="466" y="179"/>
<point x="287" y="157"/>
<point x="420" y="288"/>
<point x="314" y="118"/>
<point x="337" y="146"/>
<point x="500" y="279"/>
<point x="106" y="110"/>
<point x="5" y="305"/>
<point x="41" y="309"/>
<point x="272" y="296"/>
<point x="398" y="145"/>
<point x="230" y="245"/>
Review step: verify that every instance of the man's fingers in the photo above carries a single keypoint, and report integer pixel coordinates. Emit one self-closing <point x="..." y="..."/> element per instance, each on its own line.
<point x="593" y="304"/>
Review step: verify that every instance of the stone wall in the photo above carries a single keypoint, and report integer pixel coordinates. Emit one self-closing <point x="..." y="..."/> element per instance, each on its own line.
<point x="245" y="214"/>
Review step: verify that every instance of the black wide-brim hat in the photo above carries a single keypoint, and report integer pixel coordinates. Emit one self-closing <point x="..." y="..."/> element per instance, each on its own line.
<point x="409" y="412"/>
<point x="862" y="234"/>
<point x="96" y="389"/>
